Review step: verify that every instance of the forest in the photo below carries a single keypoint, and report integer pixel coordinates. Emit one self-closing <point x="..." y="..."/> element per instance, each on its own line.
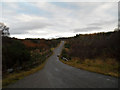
<point x="23" y="54"/>
<point x="95" y="45"/>
<point x="98" y="48"/>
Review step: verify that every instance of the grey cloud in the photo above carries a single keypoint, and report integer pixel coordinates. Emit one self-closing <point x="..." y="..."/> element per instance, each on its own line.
<point x="32" y="25"/>
<point x="94" y="24"/>
<point x="87" y="29"/>
<point x="18" y="32"/>
<point x="24" y="27"/>
<point x="100" y="23"/>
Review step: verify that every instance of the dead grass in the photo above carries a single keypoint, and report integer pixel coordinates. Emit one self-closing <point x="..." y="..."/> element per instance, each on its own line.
<point x="106" y="67"/>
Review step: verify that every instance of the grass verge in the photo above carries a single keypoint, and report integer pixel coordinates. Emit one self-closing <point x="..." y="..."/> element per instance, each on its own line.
<point x="107" y="67"/>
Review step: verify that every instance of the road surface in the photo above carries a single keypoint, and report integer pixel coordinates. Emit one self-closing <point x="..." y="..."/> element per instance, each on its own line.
<point x="58" y="75"/>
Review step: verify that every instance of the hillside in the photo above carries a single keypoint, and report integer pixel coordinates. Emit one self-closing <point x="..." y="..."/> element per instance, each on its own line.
<point x="100" y="49"/>
<point x="24" y="54"/>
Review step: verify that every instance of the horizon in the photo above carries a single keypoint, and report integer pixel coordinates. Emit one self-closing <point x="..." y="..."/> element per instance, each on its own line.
<point x="67" y="37"/>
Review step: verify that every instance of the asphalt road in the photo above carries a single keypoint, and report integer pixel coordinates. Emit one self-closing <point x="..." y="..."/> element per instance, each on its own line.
<point x="58" y="75"/>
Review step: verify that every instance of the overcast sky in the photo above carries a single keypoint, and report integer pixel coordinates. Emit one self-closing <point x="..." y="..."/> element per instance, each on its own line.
<point x="58" y="19"/>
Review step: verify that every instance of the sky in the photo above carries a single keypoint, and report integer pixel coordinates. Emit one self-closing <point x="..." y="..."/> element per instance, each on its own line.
<point x="58" y="19"/>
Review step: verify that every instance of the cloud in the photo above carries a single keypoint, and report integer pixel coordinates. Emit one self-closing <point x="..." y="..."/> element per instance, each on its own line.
<point x="87" y="29"/>
<point x="22" y="23"/>
<point x="26" y="26"/>
<point x="101" y="23"/>
<point x="50" y="19"/>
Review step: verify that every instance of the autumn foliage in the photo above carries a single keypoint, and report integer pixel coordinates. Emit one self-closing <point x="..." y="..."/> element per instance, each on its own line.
<point x="25" y="53"/>
<point x="91" y="46"/>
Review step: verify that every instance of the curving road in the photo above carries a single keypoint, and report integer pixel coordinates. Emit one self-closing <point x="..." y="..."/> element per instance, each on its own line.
<point x="58" y="75"/>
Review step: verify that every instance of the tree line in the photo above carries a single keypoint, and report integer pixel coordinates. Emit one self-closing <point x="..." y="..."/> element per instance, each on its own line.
<point x="25" y="53"/>
<point x="90" y="46"/>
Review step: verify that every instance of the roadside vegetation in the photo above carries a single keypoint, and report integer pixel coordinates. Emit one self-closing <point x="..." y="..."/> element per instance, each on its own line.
<point x="21" y="57"/>
<point x="98" y="52"/>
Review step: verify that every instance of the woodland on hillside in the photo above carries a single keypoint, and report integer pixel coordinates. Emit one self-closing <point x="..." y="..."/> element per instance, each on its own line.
<point x="23" y="54"/>
<point x="97" y="52"/>
<point x="89" y="46"/>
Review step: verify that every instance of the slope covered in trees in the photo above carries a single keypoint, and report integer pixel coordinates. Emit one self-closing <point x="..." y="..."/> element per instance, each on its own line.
<point x="23" y="54"/>
<point x="103" y="45"/>
<point x="98" y="51"/>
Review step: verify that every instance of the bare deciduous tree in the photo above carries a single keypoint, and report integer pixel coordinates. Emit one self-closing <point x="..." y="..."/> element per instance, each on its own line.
<point x="4" y="30"/>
